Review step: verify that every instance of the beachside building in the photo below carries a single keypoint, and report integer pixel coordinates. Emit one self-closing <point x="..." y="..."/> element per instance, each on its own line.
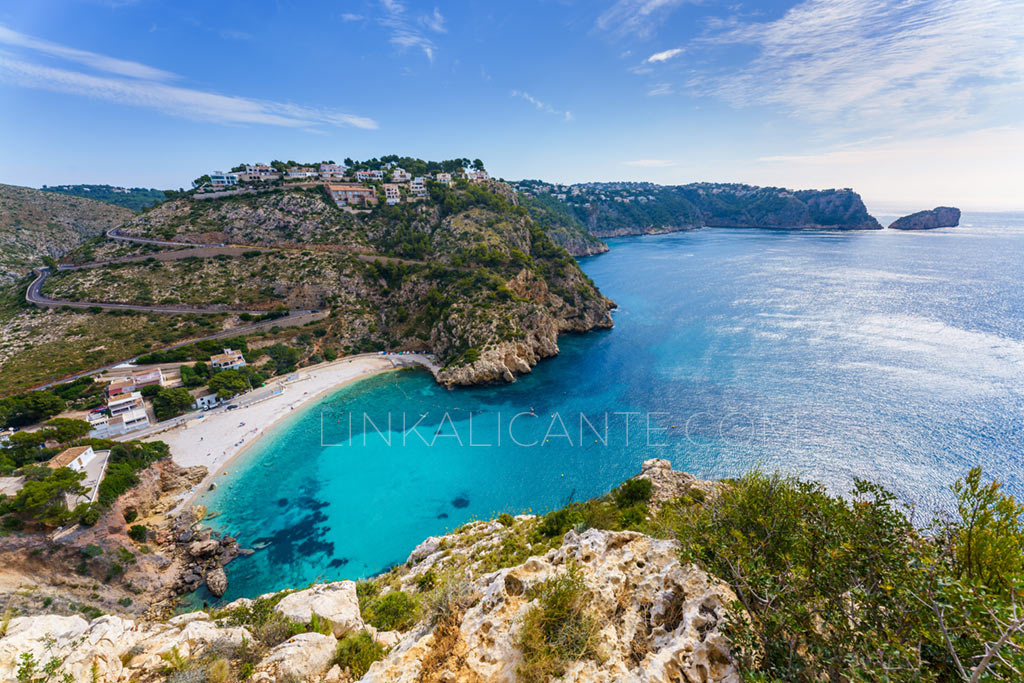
<point x="400" y="175"/>
<point x="350" y="194"/>
<point x="107" y="427"/>
<point x="333" y="171"/>
<point x="76" y="458"/>
<point x="369" y="176"/>
<point x="207" y="402"/>
<point x="229" y="360"/>
<point x="300" y="172"/>
<point x="125" y="403"/>
<point x="221" y="179"/>
<point x="120" y="386"/>
<point x="418" y="187"/>
<point x="145" y="378"/>
<point x="444" y="178"/>
<point x="391" y="194"/>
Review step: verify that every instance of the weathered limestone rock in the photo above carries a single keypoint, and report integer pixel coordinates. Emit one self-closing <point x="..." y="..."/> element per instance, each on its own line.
<point x="661" y="621"/>
<point x="299" y="658"/>
<point x="336" y="603"/>
<point x="668" y="484"/>
<point x="217" y="581"/>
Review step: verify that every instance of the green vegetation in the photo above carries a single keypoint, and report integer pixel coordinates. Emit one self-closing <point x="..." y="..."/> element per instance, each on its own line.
<point x="168" y="403"/>
<point x="393" y="611"/>
<point x="126" y="461"/>
<point x="138" y="533"/>
<point x="844" y="588"/>
<point x="357" y="652"/>
<point x="557" y="631"/>
<point x="135" y="198"/>
<point x="44" y="501"/>
<point x="26" y="448"/>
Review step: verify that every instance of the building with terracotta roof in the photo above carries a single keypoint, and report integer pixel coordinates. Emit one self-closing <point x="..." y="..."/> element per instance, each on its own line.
<point x="347" y="194"/>
<point x="76" y="457"/>
<point x="229" y="360"/>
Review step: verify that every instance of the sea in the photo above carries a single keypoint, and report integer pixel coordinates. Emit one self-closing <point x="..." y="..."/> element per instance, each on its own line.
<point x="895" y="357"/>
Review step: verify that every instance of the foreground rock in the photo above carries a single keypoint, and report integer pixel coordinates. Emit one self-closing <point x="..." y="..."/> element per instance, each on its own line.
<point x="336" y="603"/>
<point x="660" y="621"/>
<point x="939" y="217"/>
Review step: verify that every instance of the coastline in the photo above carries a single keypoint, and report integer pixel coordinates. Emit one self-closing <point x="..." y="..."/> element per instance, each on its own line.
<point x="219" y="437"/>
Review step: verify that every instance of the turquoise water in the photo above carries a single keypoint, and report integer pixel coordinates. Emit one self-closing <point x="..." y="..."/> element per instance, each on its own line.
<point x="897" y="357"/>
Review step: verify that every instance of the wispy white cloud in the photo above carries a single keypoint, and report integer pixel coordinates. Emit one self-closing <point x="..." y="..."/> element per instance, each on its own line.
<point x="349" y="16"/>
<point x="543" y="106"/>
<point x="650" y="163"/>
<point x="92" y="60"/>
<point x="146" y="89"/>
<point x="661" y="89"/>
<point x="665" y="55"/>
<point x="637" y="17"/>
<point x="434" y="21"/>
<point x="408" y="32"/>
<point x="916" y="64"/>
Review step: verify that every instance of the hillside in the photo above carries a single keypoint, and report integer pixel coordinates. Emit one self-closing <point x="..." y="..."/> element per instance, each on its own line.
<point x="134" y="198"/>
<point x="616" y="209"/>
<point x="34" y="224"/>
<point x="465" y="273"/>
<point x="665" y="578"/>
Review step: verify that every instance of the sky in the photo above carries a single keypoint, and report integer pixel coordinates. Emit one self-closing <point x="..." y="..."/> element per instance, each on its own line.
<point x="913" y="103"/>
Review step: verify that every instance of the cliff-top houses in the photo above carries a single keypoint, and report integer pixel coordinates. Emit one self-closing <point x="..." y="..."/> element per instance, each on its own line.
<point x="347" y="187"/>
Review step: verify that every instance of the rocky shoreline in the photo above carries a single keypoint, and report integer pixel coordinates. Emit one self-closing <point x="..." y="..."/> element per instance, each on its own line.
<point x="658" y="620"/>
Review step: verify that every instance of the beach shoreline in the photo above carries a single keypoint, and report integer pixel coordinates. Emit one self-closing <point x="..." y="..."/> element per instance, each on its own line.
<point x="217" y="438"/>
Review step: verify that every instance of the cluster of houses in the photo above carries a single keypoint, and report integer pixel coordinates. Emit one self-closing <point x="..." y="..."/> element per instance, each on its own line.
<point x="125" y="410"/>
<point x="354" y="188"/>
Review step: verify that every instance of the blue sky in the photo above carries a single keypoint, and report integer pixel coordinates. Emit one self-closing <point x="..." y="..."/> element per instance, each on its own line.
<point x="909" y="101"/>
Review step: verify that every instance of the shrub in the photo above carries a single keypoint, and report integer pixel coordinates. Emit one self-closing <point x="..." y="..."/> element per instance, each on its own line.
<point x="356" y="652"/>
<point x="395" y="611"/>
<point x="557" y="631"/>
<point x="633" y="491"/>
<point x="138" y="533"/>
<point x="506" y="519"/>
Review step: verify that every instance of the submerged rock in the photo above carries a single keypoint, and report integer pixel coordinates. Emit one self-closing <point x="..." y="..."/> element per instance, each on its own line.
<point x="939" y="217"/>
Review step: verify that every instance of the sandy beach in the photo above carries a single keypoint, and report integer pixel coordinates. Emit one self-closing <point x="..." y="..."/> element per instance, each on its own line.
<point x="220" y="435"/>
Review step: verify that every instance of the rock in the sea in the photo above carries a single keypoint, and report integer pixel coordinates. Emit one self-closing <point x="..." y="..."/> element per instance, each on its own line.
<point x="939" y="217"/>
<point x="299" y="658"/>
<point x="336" y="603"/>
<point x="201" y="548"/>
<point x="217" y="581"/>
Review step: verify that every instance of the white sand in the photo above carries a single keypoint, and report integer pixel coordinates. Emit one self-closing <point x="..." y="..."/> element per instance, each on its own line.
<point x="221" y="434"/>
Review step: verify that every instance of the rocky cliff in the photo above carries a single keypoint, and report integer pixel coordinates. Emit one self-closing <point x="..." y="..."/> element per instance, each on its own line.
<point x="466" y="272"/>
<point x="610" y="210"/>
<point x="648" y="617"/>
<point x="939" y="217"/>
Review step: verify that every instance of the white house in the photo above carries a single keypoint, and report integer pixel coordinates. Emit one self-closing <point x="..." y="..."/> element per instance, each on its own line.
<point x="221" y="179"/>
<point x="333" y="171"/>
<point x="206" y="402"/>
<point x="368" y="176"/>
<point x="444" y="178"/>
<point x="229" y="360"/>
<point x="104" y="427"/>
<point x="299" y="172"/>
<point x="399" y="175"/>
<point x="124" y="403"/>
<point x="76" y="458"/>
<point x="478" y="176"/>
<point x="391" y="194"/>
<point x="418" y="187"/>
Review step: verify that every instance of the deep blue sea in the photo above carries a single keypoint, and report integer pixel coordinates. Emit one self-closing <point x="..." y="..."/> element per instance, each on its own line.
<point x="892" y="356"/>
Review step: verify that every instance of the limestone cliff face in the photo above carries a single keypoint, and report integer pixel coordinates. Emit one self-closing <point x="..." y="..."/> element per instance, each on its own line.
<point x="939" y="217"/>
<point x="540" y="316"/>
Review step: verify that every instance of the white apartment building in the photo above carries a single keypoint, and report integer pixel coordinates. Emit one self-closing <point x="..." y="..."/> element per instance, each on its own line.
<point x="391" y="194"/>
